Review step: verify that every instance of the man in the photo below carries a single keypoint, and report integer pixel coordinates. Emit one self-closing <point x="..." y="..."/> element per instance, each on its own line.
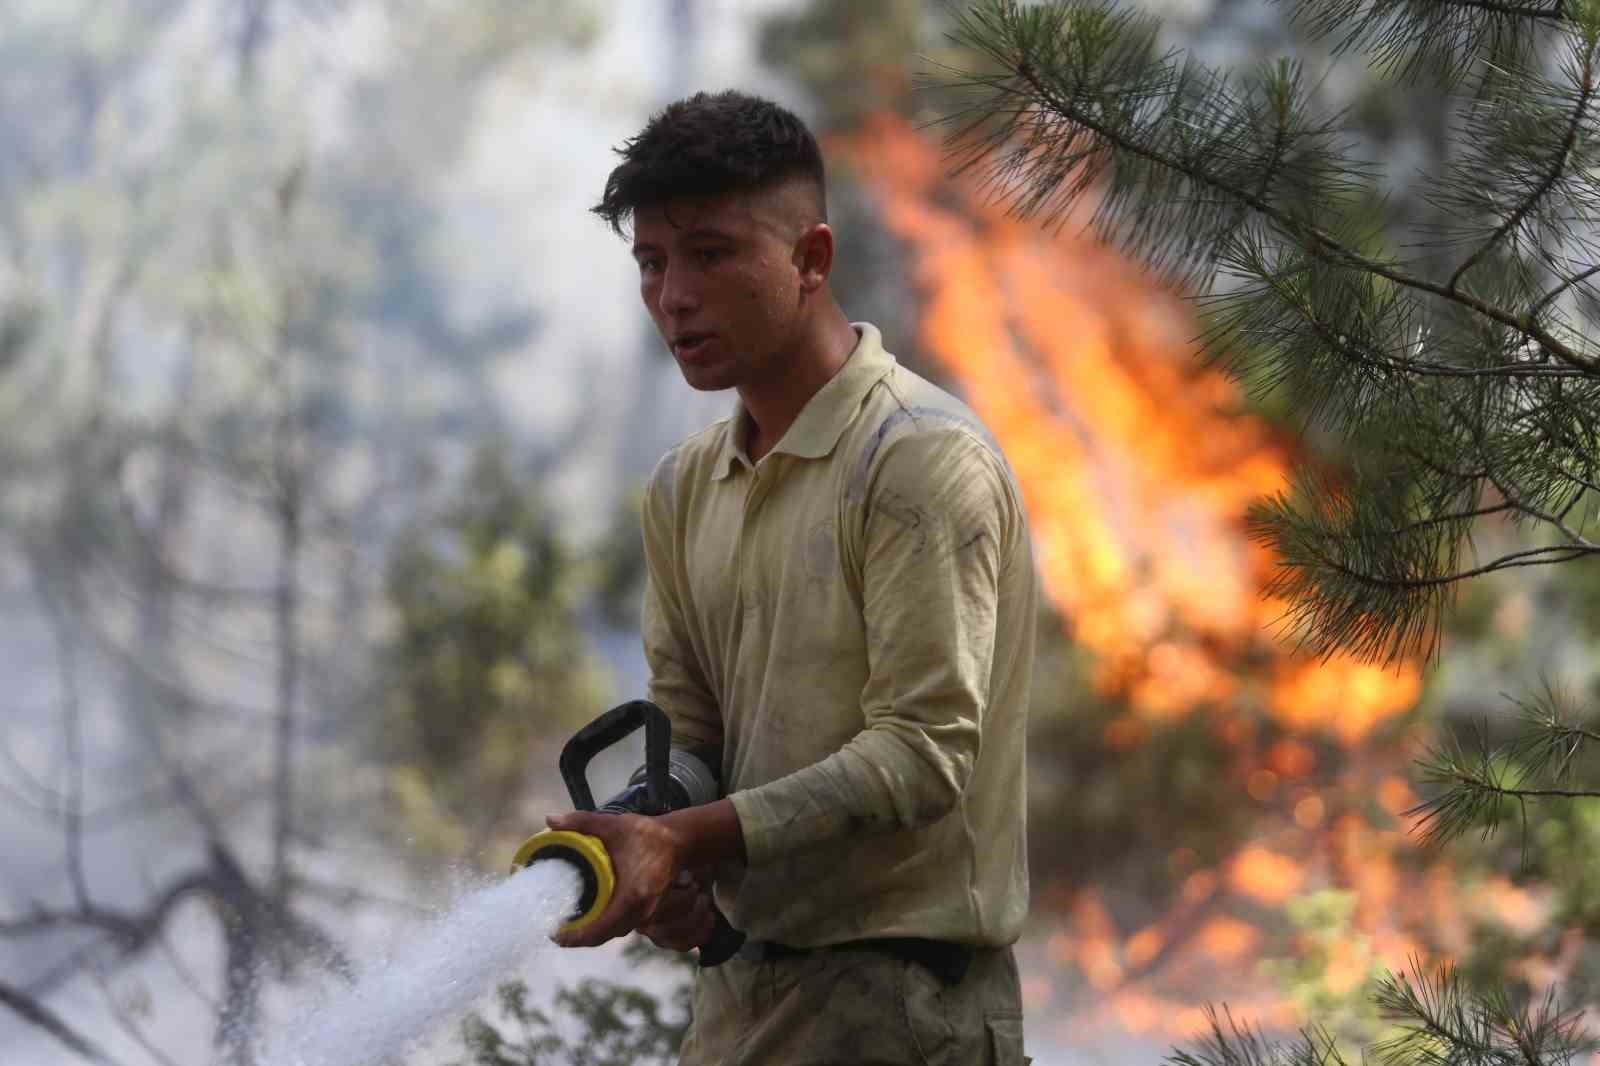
<point x="840" y="604"/>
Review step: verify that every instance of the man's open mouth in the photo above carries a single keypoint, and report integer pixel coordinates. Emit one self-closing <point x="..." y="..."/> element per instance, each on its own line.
<point x="689" y="343"/>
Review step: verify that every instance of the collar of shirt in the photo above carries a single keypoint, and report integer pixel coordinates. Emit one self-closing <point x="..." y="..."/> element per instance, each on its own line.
<point x="824" y="417"/>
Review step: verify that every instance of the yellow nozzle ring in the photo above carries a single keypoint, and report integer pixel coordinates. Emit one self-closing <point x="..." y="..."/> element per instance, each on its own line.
<point x="585" y="852"/>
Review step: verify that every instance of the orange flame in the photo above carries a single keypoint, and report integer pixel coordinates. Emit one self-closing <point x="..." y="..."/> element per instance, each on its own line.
<point x="1136" y="472"/>
<point x="1138" y="465"/>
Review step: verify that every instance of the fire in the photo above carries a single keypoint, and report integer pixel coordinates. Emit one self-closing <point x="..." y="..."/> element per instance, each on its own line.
<point x="1138" y="466"/>
<point x="1343" y="697"/>
<point x="1265" y="875"/>
<point x="1137" y="475"/>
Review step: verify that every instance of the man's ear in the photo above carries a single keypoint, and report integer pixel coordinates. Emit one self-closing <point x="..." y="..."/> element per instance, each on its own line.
<point x="813" y="256"/>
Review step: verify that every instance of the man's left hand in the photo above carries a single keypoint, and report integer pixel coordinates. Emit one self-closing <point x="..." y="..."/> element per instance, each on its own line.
<point x="646" y="854"/>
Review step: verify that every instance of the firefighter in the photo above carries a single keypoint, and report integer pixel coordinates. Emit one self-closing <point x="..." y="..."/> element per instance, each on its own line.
<point x="839" y="613"/>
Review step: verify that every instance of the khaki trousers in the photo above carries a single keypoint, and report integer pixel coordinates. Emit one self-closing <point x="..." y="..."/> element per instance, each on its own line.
<point x="855" y="1007"/>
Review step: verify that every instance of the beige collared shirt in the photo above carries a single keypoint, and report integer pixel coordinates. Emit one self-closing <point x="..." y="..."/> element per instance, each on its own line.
<point x="851" y="621"/>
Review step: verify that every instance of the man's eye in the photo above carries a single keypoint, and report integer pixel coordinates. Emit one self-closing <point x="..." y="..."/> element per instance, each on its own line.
<point x="709" y="255"/>
<point x="649" y="266"/>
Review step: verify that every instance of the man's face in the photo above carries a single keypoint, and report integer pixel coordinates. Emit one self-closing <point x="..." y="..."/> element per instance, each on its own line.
<point x="722" y="278"/>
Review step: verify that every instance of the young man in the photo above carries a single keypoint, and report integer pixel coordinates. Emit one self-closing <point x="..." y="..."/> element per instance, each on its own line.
<point x="840" y="604"/>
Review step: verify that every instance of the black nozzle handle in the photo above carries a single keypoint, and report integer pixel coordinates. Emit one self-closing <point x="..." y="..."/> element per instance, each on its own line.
<point x="605" y="731"/>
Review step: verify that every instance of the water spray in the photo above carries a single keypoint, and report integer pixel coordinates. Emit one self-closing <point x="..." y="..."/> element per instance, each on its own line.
<point x="669" y="780"/>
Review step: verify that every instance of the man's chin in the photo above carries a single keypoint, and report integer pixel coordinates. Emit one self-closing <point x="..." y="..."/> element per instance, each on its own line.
<point x="707" y="379"/>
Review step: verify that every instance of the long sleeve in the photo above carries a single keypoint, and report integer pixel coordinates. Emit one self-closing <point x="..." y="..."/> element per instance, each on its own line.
<point x="938" y="520"/>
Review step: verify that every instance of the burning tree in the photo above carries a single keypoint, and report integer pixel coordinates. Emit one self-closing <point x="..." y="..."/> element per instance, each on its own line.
<point x="1456" y="372"/>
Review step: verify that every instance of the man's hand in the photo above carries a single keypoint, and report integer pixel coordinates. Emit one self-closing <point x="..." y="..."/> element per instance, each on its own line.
<point x="683" y="921"/>
<point x="646" y="854"/>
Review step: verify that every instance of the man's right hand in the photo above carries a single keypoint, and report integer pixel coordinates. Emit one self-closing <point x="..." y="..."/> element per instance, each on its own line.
<point x="683" y="920"/>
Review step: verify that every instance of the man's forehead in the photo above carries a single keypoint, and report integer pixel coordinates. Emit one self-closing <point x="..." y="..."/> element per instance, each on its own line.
<point x="738" y="213"/>
<point x="732" y="211"/>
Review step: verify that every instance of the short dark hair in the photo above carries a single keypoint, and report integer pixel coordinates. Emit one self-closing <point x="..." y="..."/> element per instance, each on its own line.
<point x="706" y="145"/>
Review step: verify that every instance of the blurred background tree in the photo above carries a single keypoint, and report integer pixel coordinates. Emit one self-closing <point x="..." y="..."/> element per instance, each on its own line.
<point x="486" y="659"/>
<point x="209" y="303"/>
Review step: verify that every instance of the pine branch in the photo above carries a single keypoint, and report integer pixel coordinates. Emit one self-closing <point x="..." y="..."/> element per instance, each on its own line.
<point x="1553" y="736"/>
<point x="1082" y="68"/>
<point x="1443" y="1021"/>
<point x="1163" y="134"/>
<point x="1368" y="566"/>
<point x="1472" y="382"/>
<point x="1478" y="779"/>
<point x="1232" y="1042"/>
<point x="1547" y="181"/>
<point x="1519" y="506"/>
<point x="1448" y="38"/>
<point x="1437" y="1018"/>
<point x="1550" y="297"/>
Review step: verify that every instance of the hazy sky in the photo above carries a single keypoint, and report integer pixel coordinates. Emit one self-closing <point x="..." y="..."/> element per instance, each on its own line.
<point x="538" y="161"/>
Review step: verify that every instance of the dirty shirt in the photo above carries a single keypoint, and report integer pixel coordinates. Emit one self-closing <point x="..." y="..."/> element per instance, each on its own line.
<point x="851" y="621"/>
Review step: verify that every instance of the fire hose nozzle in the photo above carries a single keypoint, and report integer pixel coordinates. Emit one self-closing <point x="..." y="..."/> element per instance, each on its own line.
<point x="668" y="781"/>
<point x="587" y="855"/>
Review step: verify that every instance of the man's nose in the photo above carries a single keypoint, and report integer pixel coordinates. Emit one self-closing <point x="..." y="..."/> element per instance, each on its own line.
<point x="677" y="294"/>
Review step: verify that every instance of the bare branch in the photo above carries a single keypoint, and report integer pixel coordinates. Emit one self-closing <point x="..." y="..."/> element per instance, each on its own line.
<point x="131" y="930"/>
<point x="71" y="727"/>
<point x="36" y="1013"/>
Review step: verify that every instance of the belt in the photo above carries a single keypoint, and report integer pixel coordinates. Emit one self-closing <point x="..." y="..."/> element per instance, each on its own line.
<point x="947" y="961"/>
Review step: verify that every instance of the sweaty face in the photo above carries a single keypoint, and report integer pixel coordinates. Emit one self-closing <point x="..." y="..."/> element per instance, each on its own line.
<point x="720" y="278"/>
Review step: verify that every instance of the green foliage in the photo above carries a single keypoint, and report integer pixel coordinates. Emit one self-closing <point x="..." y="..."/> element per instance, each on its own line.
<point x="1321" y="978"/>
<point x="485" y="659"/>
<point x="1442" y="1019"/>
<point x="1443" y="41"/>
<point x="621" y="565"/>
<point x="617" y="1024"/>
<point x="1439" y="1020"/>
<point x="1232" y="1042"/>
<point x="1453" y="362"/>
<point x="1461" y="375"/>
<point x="1566" y="850"/>
<point x="1480" y="782"/>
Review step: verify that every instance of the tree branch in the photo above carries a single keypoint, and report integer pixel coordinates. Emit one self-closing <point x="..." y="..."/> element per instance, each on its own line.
<point x="131" y="930"/>
<point x="120" y="1013"/>
<point x="1557" y="12"/>
<point x="1566" y="552"/>
<point x="1315" y="240"/>
<point x="36" y="1013"/>
<point x="1545" y="300"/>
<point x="72" y="807"/>
<point x="1546" y="182"/>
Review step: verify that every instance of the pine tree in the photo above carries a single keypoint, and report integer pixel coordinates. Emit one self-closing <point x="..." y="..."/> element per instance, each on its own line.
<point x="1454" y="362"/>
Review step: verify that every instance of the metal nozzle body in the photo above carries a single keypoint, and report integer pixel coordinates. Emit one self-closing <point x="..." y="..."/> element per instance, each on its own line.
<point x="690" y="783"/>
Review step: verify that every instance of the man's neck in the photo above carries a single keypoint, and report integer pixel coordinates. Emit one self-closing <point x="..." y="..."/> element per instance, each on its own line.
<point x="774" y="405"/>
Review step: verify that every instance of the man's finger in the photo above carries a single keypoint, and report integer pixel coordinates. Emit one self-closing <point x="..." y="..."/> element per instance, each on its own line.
<point x="681" y="932"/>
<point x="675" y="904"/>
<point x="589" y="823"/>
